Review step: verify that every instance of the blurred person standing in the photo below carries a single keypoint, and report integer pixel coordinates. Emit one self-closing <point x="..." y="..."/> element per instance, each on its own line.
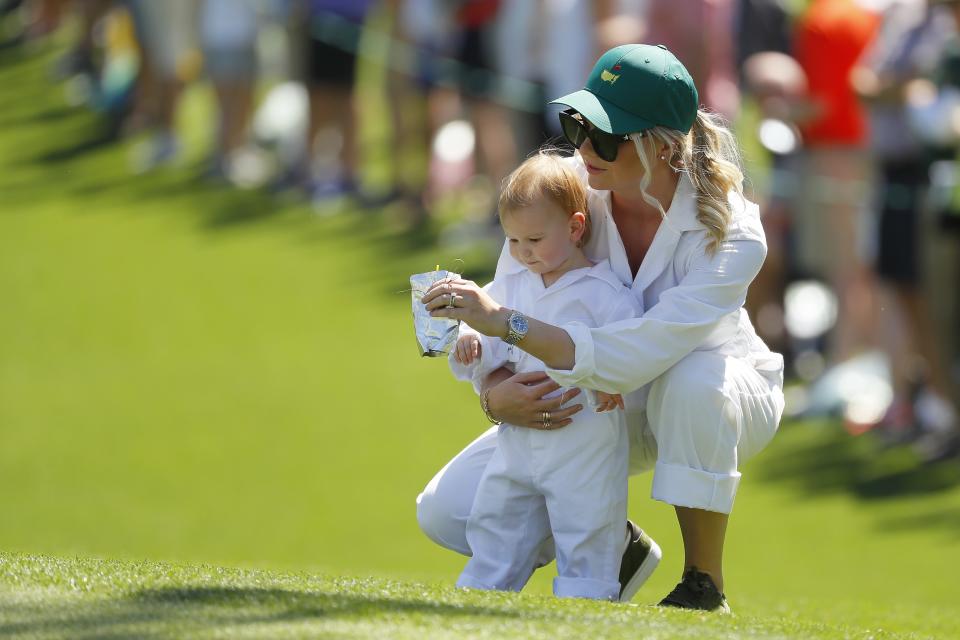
<point x="420" y="34"/>
<point x="702" y="34"/>
<point x="477" y="79"/>
<point x="546" y="43"/>
<point x="170" y="59"/>
<point x="228" y="38"/>
<point x="332" y="46"/>
<point x="513" y="53"/>
<point x="445" y="69"/>
<point x="772" y="81"/>
<point x="43" y="16"/>
<point x="80" y="60"/>
<point x="909" y="46"/>
<point x="829" y="38"/>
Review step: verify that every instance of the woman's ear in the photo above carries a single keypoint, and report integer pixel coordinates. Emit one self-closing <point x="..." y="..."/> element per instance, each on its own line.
<point x="578" y="224"/>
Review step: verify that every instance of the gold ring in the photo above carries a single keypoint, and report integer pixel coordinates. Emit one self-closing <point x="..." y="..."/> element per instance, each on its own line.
<point x="452" y="302"/>
<point x="547" y="422"/>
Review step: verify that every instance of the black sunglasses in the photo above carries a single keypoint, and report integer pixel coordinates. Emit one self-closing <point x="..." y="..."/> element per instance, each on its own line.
<point x="576" y="131"/>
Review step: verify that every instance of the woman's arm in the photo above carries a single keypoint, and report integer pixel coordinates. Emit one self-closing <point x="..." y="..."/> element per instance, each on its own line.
<point x="474" y="306"/>
<point x="625" y="355"/>
<point x="517" y="399"/>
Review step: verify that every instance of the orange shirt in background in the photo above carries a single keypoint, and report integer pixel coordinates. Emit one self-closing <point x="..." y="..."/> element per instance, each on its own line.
<point x="830" y="37"/>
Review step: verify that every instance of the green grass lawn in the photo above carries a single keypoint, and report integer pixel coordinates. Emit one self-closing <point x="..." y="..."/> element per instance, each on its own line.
<point x="206" y="376"/>
<point x="46" y="597"/>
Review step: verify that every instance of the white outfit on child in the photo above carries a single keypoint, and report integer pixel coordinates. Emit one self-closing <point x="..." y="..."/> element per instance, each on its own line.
<point x="569" y="484"/>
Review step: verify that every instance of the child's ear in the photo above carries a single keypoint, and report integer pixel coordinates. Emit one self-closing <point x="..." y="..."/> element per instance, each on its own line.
<point x="578" y="224"/>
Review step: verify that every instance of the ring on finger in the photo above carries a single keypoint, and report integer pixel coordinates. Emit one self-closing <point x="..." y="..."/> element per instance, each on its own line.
<point x="452" y="302"/>
<point x="546" y="419"/>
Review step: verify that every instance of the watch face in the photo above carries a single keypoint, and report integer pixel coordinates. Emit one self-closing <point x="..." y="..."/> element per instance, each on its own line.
<point x="519" y="324"/>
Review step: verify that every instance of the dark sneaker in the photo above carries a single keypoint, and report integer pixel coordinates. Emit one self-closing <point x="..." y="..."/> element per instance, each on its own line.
<point x="639" y="560"/>
<point x="696" y="591"/>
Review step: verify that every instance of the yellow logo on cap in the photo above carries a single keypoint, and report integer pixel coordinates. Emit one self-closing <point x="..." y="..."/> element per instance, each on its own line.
<point x="606" y="76"/>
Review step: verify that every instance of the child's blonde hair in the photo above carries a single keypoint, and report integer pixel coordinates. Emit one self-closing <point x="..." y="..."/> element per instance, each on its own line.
<point x="546" y="174"/>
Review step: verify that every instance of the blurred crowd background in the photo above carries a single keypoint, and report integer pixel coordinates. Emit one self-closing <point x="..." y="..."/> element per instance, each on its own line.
<point x="848" y="110"/>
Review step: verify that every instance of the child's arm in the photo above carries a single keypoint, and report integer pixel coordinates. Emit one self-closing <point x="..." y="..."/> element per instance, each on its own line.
<point x="608" y="401"/>
<point x="474" y="366"/>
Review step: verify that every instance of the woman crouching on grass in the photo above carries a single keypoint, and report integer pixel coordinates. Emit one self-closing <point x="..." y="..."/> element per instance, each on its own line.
<point x="703" y="393"/>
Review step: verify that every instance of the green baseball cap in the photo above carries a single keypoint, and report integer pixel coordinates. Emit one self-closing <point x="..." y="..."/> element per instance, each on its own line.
<point x="635" y="87"/>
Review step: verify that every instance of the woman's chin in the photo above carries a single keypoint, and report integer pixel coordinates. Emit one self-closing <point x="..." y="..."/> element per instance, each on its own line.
<point x="598" y="181"/>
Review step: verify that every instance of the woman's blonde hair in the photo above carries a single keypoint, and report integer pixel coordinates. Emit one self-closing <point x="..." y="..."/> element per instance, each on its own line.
<point x="710" y="156"/>
<point x="546" y="175"/>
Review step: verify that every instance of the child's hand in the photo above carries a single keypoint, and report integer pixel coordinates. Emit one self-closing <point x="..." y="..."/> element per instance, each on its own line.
<point x="608" y="401"/>
<point x="468" y="349"/>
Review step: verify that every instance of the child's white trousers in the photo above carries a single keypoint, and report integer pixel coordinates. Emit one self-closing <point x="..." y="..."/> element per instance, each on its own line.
<point x="703" y="417"/>
<point x="569" y="484"/>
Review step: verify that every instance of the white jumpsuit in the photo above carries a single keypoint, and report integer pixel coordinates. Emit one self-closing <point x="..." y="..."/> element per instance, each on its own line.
<point x="570" y="484"/>
<point x="703" y="392"/>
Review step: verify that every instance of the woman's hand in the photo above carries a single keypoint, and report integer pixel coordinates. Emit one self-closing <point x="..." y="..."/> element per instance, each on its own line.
<point x="519" y="401"/>
<point x="464" y="300"/>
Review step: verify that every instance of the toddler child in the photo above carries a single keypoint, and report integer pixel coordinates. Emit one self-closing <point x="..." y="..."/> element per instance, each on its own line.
<point x="568" y="484"/>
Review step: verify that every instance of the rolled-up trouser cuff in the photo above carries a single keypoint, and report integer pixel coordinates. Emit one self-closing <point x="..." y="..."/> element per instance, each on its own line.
<point x="695" y="488"/>
<point x="466" y="581"/>
<point x="585" y="588"/>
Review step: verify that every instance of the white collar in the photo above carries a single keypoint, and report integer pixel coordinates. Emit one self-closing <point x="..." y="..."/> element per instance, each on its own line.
<point x="600" y="271"/>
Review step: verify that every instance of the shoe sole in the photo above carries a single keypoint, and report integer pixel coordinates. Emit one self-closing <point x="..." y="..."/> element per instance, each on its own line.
<point x="643" y="573"/>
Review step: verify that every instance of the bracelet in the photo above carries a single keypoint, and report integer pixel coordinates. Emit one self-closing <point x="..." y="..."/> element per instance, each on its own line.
<point x="485" y="405"/>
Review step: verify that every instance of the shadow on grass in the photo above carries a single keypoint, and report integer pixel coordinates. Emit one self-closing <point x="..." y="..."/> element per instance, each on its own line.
<point x="42" y="116"/>
<point x="100" y="136"/>
<point x="70" y="133"/>
<point x="946" y="520"/>
<point x="831" y="461"/>
<point x="159" y="611"/>
<point x="400" y="248"/>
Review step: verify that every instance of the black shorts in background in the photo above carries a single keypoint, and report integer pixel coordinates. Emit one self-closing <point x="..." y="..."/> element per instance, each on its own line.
<point x="330" y="65"/>
<point x="901" y="208"/>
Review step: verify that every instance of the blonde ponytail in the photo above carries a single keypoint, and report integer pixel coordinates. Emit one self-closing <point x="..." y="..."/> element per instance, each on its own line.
<point x="710" y="157"/>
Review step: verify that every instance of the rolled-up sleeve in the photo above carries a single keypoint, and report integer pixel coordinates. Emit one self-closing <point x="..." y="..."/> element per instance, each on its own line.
<point x="623" y="356"/>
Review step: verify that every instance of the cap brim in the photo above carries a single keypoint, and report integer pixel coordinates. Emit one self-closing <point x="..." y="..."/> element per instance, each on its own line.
<point x="603" y="114"/>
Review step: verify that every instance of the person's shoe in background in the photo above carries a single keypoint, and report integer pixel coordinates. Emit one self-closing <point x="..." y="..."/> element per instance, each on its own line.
<point x="938" y="425"/>
<point x="161" y="149"/>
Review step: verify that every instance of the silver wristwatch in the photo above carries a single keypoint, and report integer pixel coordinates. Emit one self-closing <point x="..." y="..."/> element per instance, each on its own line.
<point x="516" y="327"/>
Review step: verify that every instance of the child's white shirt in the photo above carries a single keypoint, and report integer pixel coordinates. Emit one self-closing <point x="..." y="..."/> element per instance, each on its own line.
<point x="590" y="296"/>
